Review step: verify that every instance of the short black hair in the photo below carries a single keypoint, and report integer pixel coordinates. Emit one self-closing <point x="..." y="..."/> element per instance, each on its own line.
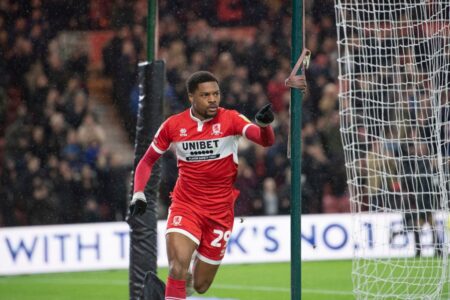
<point x="199" y="77"/>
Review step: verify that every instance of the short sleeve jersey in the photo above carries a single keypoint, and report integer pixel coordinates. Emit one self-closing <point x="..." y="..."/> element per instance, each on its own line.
<point x="207" y="156"/>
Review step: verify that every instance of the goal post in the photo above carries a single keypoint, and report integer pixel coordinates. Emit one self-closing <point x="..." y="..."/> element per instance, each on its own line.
<point x="295" y="154"/>
<point x="394" y="77"/>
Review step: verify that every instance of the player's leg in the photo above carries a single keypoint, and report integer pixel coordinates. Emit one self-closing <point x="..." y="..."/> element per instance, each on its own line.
<point x="422" y="220"/>
<point x="203" y="275"/>
<point x="179" y="253"/>
<point x="216" y="233"/>
<point x="190" y="279"/>
<point x="182" y="238"/>
<point x="436" y="234"/>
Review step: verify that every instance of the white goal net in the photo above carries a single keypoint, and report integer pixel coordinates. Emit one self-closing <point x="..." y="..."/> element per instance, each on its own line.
<point x="394" y="75"/>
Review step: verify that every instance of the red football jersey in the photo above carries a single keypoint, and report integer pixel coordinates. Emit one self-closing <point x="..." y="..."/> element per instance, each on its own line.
<point x="207" y="156"/>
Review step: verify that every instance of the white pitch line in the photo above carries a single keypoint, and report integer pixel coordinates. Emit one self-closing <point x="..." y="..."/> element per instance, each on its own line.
<point x="71" y="281"/>
<point x="327" y="292"/>
<point x="249" y="288"/>
<point x="277" y="289"/>
<point x="273" y="289"/>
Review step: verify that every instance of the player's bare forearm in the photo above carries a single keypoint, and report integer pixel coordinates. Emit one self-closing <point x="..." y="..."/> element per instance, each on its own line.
<point x="263" y="136"/>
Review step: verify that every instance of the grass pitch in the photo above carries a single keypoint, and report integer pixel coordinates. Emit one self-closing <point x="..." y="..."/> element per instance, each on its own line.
<point x="330" y="280"/>
<point x="320" y="280"/>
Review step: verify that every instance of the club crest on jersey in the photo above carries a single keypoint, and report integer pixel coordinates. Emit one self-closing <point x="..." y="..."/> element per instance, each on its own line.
<point x="216" y="129"/>
<point x="183" y="132"/>
<point x="177" y="220"/>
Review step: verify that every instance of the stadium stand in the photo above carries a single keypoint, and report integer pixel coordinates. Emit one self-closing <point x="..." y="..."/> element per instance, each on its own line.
<point x="60" y="162"/>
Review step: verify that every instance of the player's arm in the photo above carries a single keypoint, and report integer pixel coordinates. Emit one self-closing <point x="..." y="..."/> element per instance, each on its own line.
<point x="141" y="176"/>
<point x="263" y="133"/>
<point x="160" y="144"/>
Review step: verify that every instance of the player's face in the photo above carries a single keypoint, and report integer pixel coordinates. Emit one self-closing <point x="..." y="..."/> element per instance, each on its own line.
<point x="205" y="100"/>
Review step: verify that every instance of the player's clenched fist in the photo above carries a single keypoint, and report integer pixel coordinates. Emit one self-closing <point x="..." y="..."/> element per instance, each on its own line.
<point x="138" y="204"/>
<point x="264" y="116"/>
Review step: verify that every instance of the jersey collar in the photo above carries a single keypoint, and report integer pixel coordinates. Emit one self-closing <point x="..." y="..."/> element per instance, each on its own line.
<point x="197" y="119"/>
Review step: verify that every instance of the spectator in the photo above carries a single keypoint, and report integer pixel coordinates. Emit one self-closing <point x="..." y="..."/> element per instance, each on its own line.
<point x="270" y="197"/>
<point x="90" y="132"/>
<point x="43" y="208"/>
<point x="49" y="125"/>
<point x="38" y="145"/>
<point x="247" y="184"/>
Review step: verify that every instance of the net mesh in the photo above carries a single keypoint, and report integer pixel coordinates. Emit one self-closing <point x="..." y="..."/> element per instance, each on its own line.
<point x="394" y="74"/>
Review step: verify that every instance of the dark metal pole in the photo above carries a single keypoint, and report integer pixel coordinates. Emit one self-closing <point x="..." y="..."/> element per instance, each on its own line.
<point x="152" y="19"/>
<point x="296" y="169"/>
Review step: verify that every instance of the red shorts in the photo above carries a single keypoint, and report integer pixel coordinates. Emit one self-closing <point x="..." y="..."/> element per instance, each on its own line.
<point x="209" y="230"/>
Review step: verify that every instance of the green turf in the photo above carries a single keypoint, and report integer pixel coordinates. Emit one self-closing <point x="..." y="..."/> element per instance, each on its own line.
<point x="321" y="280"/>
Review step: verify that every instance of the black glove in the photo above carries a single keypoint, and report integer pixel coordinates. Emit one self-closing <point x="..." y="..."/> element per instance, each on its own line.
<point x="264" y="116"/>
<point x="138" y="204"/>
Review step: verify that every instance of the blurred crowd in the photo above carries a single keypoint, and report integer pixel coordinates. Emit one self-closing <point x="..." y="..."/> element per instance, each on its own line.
<point x="396" y="123"/>
<point x="55" y="167"/>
